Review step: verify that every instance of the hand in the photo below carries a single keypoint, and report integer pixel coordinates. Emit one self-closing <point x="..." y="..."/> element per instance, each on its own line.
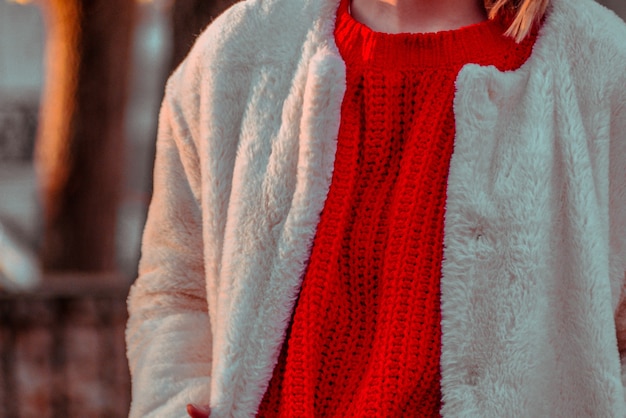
<point x="197" y="411"/>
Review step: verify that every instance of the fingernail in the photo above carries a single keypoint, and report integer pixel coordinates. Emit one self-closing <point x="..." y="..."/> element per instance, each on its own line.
<point x="194" y="410"/>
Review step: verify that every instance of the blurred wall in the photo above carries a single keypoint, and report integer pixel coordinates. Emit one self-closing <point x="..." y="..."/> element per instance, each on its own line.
<point x="21" y="51"/>
<point x="21" y="80"/>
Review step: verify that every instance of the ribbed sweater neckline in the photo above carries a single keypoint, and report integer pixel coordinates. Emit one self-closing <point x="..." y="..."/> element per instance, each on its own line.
<point x="479" y="43"/>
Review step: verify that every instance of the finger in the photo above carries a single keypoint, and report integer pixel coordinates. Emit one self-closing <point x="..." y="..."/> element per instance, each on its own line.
<point x="197" y="411"/>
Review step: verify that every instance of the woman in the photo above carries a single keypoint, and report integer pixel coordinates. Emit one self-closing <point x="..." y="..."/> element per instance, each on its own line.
<point x="390" y="209"/>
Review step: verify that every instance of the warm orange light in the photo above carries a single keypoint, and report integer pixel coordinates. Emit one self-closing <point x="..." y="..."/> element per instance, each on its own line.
<point x="52" y="151"/>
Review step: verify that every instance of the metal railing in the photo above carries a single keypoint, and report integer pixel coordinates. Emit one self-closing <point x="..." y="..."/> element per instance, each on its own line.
<point x="62" y="351"/>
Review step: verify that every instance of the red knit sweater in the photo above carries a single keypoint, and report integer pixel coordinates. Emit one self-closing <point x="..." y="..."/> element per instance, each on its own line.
<point x="365" y="337"/>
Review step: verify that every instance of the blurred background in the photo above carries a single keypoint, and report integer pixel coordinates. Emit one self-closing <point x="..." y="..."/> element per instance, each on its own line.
<point x="80" y="88"/>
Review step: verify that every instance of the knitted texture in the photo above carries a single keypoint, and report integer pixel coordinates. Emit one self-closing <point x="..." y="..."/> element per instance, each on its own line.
<point x="365" y="336"/>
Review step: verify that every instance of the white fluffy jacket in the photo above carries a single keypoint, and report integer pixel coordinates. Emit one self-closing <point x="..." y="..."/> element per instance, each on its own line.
<point x="535" y="227"/>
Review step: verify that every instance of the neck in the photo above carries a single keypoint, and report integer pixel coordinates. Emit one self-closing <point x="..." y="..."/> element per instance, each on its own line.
<point x="417" y="16"/>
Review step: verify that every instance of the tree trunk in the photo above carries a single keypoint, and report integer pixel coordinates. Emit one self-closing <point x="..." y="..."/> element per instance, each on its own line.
<point x="78" y="155"/>
<point x="189" y="18"/>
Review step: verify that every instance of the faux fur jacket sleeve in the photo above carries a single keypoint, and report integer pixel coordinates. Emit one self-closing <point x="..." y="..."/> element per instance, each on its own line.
<point x="617" y="209"/>
<point x="167" y="304"/>
<point x="244" y="87"/>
